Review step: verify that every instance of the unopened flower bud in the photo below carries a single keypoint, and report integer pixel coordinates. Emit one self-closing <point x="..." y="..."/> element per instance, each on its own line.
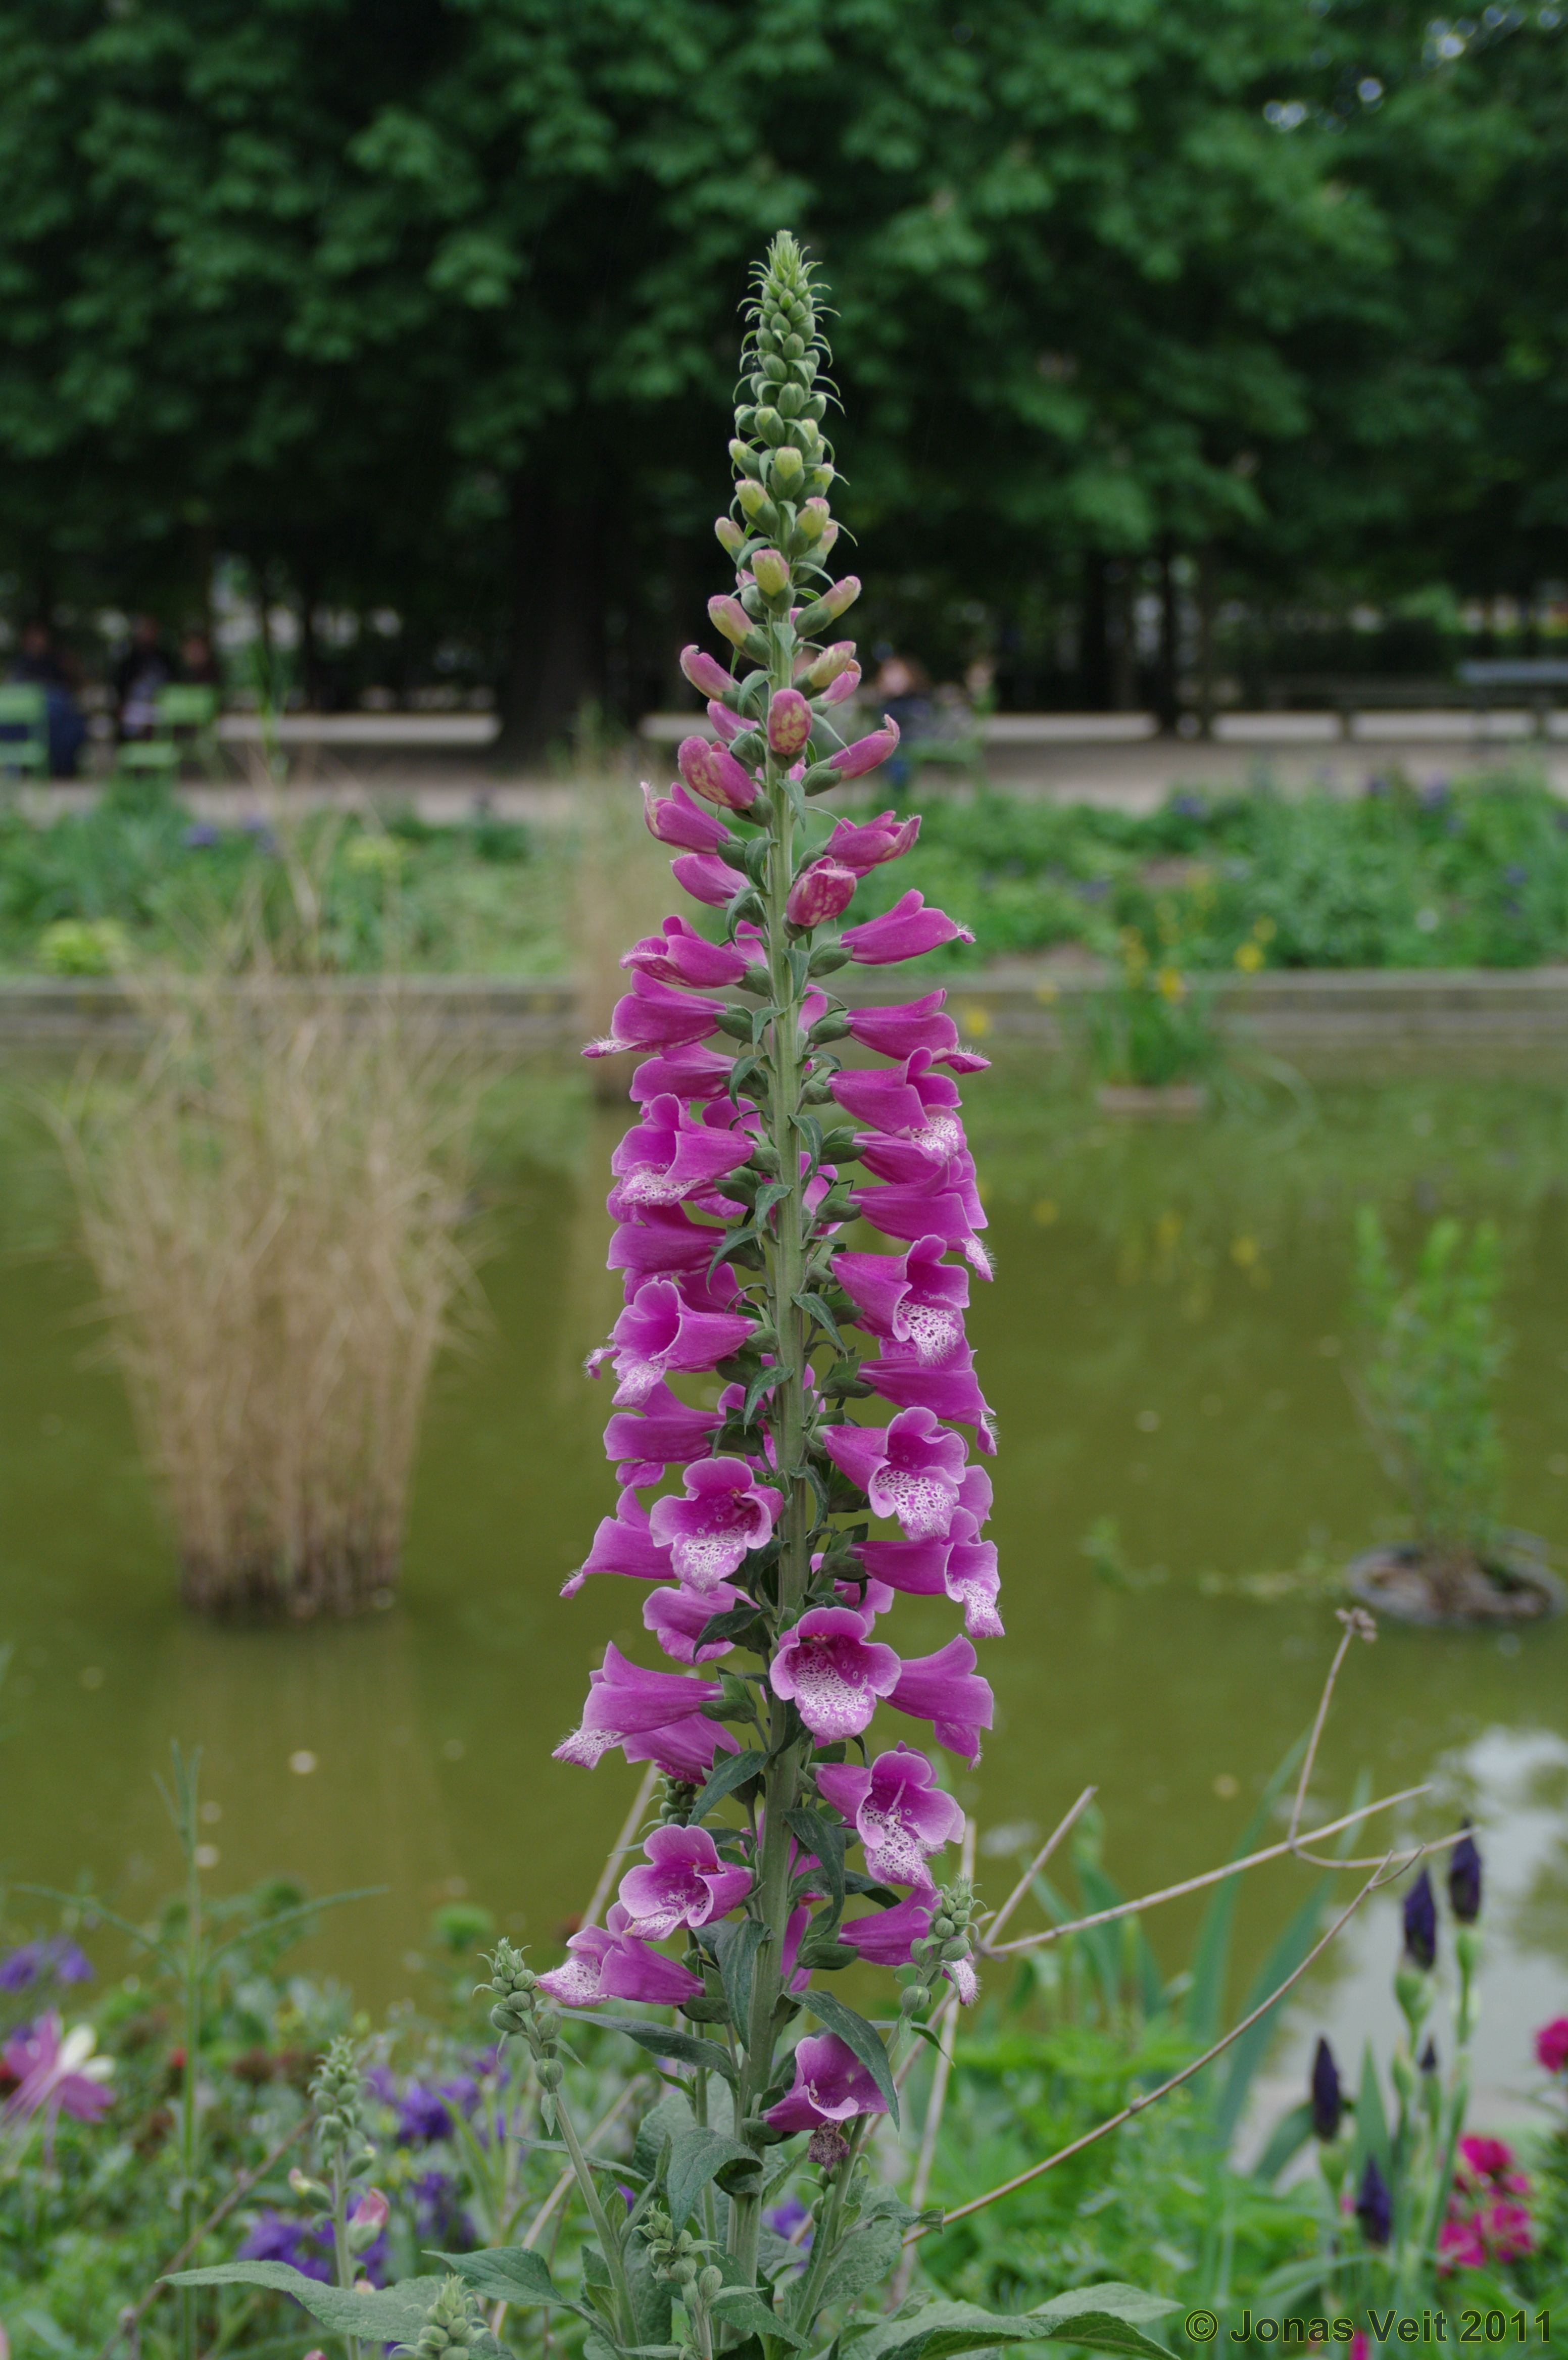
<point x="1465" y="1880"/>
<point x="942" y="1926"/>
<point x="769" y="570"/>
<point x="730" y="535"/>
<point x="786" y="468"/>
<point x="813" y="518"/>
<point x="366" y="2220"/>
<point x="547" y="2022"/>
<point x="830" y="535"/>
<point x="751" y="496"/>
<point x="789" y="723"/>
<point x="705" y="673"/>
<point x="684" y="2271"/>
<point x="839" y="658"/>
<point x="821" y="891"/>
<point x="729" y="617"/>
<point x="551" y="2071"/>
<point x="714" y="773"/>
<point x="911" y="2000"/>
<point x="710" y="2283"/>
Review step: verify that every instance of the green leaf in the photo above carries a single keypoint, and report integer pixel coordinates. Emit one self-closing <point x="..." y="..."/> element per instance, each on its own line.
<point x="1212" y="1953"/>
<point x="824" y="1838"/>
<point x="739" y="2307"/>
<point x="868" y="2256"/>
<point x="660" y="2042"/>
<point x="651" y="2298"/>
<point x="1289" y="2136"/>
<point x="394" y="2314"/>
<point x="696" y="2154"/>
<point x="662" y="2120"/>
<point x="815" y="1308"/>
<point x="737" y="1947"/>
<point x="860" y="2035"/>
<point x="732" y="1772"/>
<point x="511" y="2273"/>
<point x="1102" y="2317"/>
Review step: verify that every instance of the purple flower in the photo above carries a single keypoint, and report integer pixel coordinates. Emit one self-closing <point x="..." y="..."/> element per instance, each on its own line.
<point x="201" y="837"/>
<point x="677" y="1619"/>
<point x="917" y="1025"/>
<point x="900" y="1814"/>
<point x="1420" y="1924"/>
<point x="926" y="1208"/>
<point x="623" y="1545"/>
<point x="833" y="1672"/>
<point x="684" y="1883"/>
<point x="665" y="1434"/>
<point x="834" y="663"/>
<point x="911" y="1100"/>
<point x="946" y="1689"/>
<point x="610" y="1962"/>
<point x="728" y="726"/>
<point x="865" y="844"/>
<point x="706" y="878"/>
<point x="671" y="1155"/>
<point x="713" y="772"/>
<point x="423" y="2116"/>
<point x="1464" y="1879"/>
<point x="708" y="677"/>
<point x="823" y="889"/>
<point x="659" y="1335"/>
<point x="909" y="1470"/>
<point x="656" y="1016"/>
<point x="784" y="2219"/>
<point x="625" y="1702"/>
<point x="54" y="1959"/>
<point x="905" y="932"/>
<point x="830" y="2086"/>
<point x="725" y="1513"/>
<point x="951" y="1392"/>
<point x="888" y="1935"/>
<point x="789" y="724"/>
<point x="687" y="1072"/>
<point x="866" y="753"/>
<point x="1328" y="2098"/>
<point x="679" y="955"/>
<point x="1374" y="2205"/>
<point x="914" y="1298"/>
<point x="274" y="2239"/>
<point x="660" y="1240"/>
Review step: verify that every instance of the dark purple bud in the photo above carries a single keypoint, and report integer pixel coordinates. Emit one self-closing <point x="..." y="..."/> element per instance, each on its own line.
<point x="1420" y="1924"/>
<point x="1464" y="1879"/>
<point x="1429" y="2058"/>
<point x="1328" y="2099"/>
<point x="1374" y="2205"/>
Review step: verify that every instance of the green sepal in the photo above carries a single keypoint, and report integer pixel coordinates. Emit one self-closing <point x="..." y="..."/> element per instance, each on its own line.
<point x="815" y="1308"/>
<point x="737" y="1022"/>
<point x="512" y="2274"/>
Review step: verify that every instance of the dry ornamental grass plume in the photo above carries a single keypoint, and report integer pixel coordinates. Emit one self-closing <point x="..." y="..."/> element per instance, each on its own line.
<point x="271" y="1209"/>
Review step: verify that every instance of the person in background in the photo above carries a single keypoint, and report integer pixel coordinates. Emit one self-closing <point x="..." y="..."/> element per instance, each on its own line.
<point x="199" y="666"/>
<point x="902" y="691"/>
<point x="37" y="662"/>
<point x="140" y="672"/>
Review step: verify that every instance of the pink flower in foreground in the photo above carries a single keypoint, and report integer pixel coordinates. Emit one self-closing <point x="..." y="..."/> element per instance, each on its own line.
<point x="725" y="1513"/>
<point x="678" y="1617"/>
<point x="900" y="1814"/>
<point x="917" y="1025"/>
<point x="679" y="955"/>
<point x="669" y="1156"/>
<point x="711" y="771"/>
<point x="624" y="1700"/>
<point x="866" y="753"/>
<point x="623" y="1545"/>
<point x="834" y="1672"/>
<point x="56" y="2071"/>
<point x="946" y="1689"/>
<point x="1552" y="2045"/>
<point x="665" y="1432"/>
<point x="1487" y="2156"/>
<point x="789" y="723"/>
<point x="823" y="889"/>
<point x="660" y="1335"/>
<point x="865" y="844"/>
<point x="707" y="676"/>
<point x="830" y="2085"/>
<point x="684" y="1882"/>
<point x="656" y="1016"/>
<point x="610" y="1962"/>
<point x="911" y="1100"/>
<point x="905" y="932"/>
<point x="909" y="1469"/>
<point x="678" y="819"/>
<point x="706" y="878"/>
<point x="913" y="1298"/>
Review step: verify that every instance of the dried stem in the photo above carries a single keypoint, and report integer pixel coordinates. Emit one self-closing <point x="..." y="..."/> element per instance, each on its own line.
<point x="1388" y="1867"/>
<point x="1062" y="1829"/>
<point x="629" y="1828"/>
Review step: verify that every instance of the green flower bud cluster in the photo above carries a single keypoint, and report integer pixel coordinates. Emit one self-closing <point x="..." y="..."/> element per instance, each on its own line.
<point x="520" y="2008"/>
<point x="945" y="1946"/>
<point x="450" y="2324"/>
<point x="337" y="2100"/>
<point x="677" y="2257"/>
<point x="676" y="1801"/>
<point x="783" y="461"/>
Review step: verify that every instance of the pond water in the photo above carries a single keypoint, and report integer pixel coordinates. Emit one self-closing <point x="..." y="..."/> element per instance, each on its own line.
<point x="1163" y="1346"/>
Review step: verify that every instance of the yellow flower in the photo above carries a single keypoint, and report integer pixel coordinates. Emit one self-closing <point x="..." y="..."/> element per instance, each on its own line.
<point x="1264" y="929"/>
<point x="1249" y="957"/>
<point x="1172" y="986"/>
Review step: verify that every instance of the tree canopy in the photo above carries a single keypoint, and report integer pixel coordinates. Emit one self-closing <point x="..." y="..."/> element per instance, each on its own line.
<point x="391" y="296"/>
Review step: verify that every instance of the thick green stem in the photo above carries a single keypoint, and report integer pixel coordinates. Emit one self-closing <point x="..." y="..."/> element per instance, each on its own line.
<point x="344" y="2260"/>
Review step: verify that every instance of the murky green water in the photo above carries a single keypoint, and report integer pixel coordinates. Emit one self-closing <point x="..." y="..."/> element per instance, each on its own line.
<point x="1161" y="1345"/>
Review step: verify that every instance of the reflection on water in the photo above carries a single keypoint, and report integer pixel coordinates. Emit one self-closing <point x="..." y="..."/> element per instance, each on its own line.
<point x="1163" y="1347"/>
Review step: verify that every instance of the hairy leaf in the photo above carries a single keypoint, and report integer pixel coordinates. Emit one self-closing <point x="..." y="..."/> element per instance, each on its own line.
<point x="696" y="2154"/>
<point x="1102" y="2317"/>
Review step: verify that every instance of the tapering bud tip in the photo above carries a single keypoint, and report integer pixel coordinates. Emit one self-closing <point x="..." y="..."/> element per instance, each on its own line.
<point x="729" y="617"/>
<point x="729" y="535"/>
<point x="769" y="570"/>
<point x="713" y="772"/>
<point x="707" y="675"/>
<point x="1465" y="1880"/>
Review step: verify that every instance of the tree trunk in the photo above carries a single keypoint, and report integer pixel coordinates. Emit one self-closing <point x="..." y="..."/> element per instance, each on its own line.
<point x="1122" y="634"/>
<point x="1167" y="700"/>
<point x="556" y="652"/>
<point x="1208" y="571"/>
<point x="1094" y="638"/>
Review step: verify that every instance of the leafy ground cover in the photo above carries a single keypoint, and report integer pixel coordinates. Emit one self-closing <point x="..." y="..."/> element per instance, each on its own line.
<point x="1471" y="873"/>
